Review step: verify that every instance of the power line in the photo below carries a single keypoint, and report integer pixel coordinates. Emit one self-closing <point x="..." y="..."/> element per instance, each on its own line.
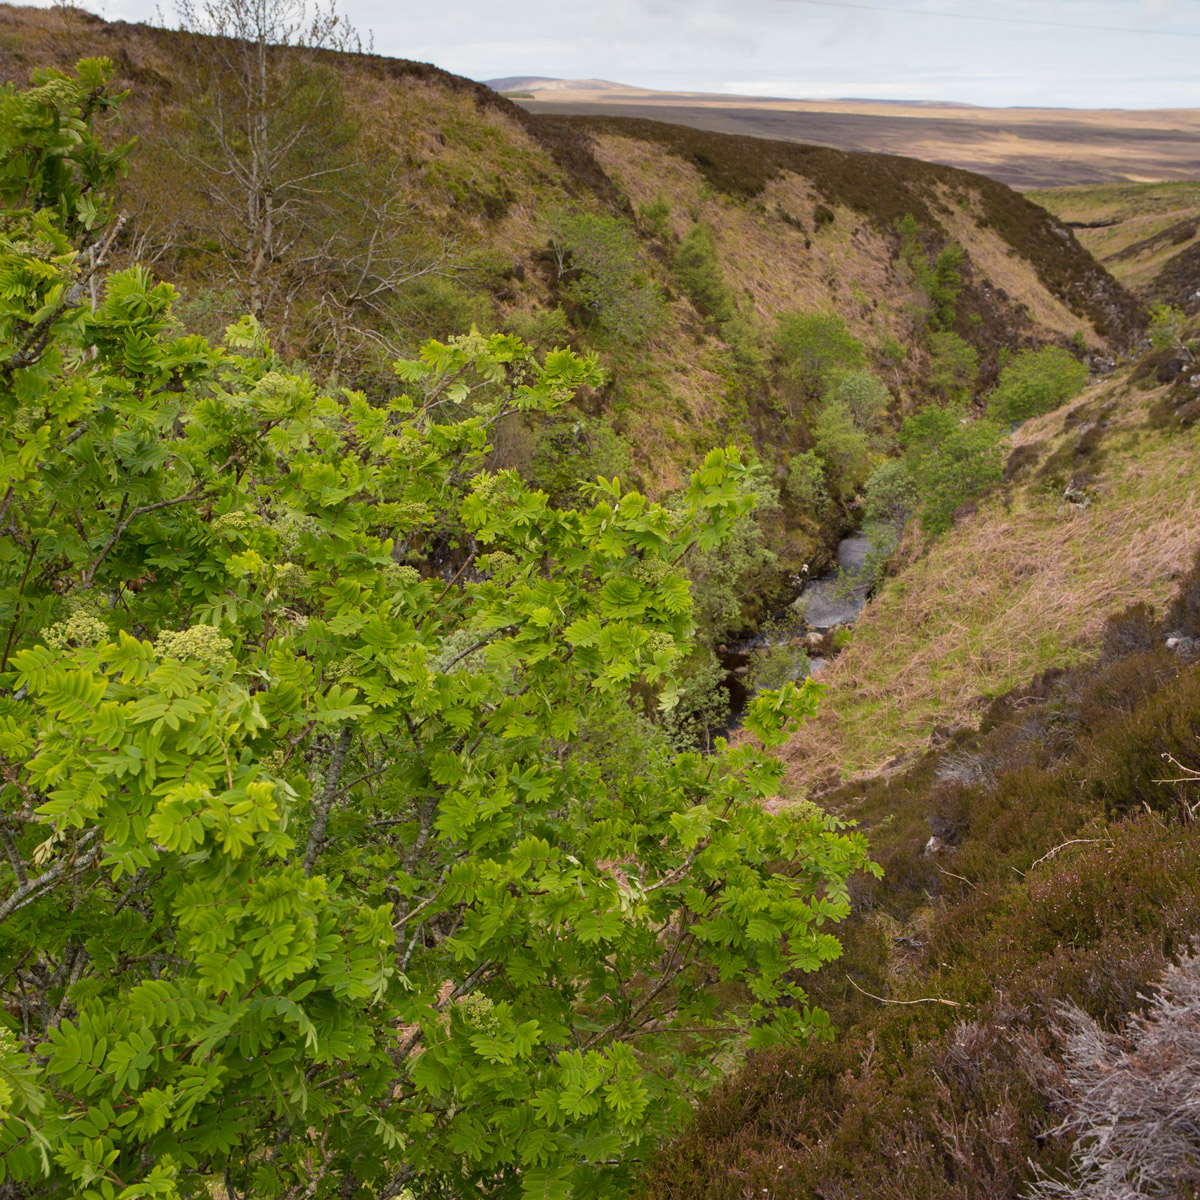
<point x="925" y="12"/>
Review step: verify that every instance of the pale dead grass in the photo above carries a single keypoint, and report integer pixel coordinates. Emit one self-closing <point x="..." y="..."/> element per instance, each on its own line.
<point x="1135" y="212"/>
<point x="996" y="260"/>
<point x="1016" y="145"/>
<point x="765" y="259"/>
<point x="1004" y="596"/>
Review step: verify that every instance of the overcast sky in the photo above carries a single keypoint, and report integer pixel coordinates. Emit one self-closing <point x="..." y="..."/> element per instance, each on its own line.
<point x="1148" y="56"/>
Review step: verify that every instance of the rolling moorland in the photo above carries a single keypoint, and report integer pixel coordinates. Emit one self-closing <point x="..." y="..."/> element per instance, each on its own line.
<point x="1022" y="147"/>
<point x="999" y="390"/>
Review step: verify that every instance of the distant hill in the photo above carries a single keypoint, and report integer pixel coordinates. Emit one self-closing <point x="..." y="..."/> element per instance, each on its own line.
<point x="794" y="227"/>
<point x="1023" y="147"/>
<point x="543" y="83"/>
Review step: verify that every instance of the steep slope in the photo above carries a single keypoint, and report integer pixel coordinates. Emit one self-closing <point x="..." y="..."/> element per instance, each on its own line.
<point x="1025" y="581"/>
<point x="1036" y="675"/>
<point x="1147" y="235"/>
<point x="475" y="193"/>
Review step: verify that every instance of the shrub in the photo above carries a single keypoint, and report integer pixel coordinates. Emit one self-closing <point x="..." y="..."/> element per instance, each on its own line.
<point x="655" y="216"/>
<point x="572" y="452"/>
<point x="1035" y="382"/>
<point x="699" y="274"/>
<point x="952" y="460"/>
<point x="891" y="493"/>
<point x="954" y="367"/>
<point x="865" y="396"/>
<point x="724" y="578"/>
<point x="942" y="281"/>
<point x="600" y="268"/>
<point x="1166" y="325"/>
<point x="545" y="328"/>
<point x="811" y="346"/>
<point x="843" y="447"/>
<point x="778" y="664"/>
<point x="806" y="481"/>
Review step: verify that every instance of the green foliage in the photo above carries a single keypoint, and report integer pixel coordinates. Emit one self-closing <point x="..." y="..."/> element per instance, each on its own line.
<point x="812" y="346"/>
<point x="703" y="711"/>
<point x="1166" y="325"/>
<point x="843" y="447"/>
<point x="865" y="396"/>
<point x="699" y="274"/>
<point x="778" y="662"/>
<point x="940" y="281"/>
<point x="52" y="160"/>
<point x="655" y="216"/>
<point x="572" y="451"/>
<point x="891" y="493"/>
<point x="600" y="269"/>
<point x="952" y="459"/>
<point x="806" y="481"/>
<point x="724" y="576"/>
<point x="954" y="367"/>
<point x="544" y="328"/>
<point x="1035" y="382"/>
<point x="309" y="889"/>
<point x="434" y="306"/>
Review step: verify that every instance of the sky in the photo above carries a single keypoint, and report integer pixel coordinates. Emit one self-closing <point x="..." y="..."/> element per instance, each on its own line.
<point x="1056" y="53"/>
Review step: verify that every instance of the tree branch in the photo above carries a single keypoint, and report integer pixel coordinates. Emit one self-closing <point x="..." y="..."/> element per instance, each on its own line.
<point x="337" y="762"/>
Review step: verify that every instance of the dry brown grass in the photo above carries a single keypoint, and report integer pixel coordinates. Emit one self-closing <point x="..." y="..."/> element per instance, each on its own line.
<point x="1023" y="147"/>
<point x="1010" y="592"/>
<point x="996" y="259"/>
<point x="1135" y="229"/>
<point x="764" y="257"/>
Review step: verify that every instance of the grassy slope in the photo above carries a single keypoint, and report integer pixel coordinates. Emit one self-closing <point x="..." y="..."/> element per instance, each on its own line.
<point x="1135" y="230"/>
<point x="1022" y="585"/>
<point x="1066" y="865"/>
<point x="481" y="170"/>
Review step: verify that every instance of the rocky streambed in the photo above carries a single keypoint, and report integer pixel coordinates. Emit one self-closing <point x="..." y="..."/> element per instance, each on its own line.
<point x="804" y="627"/>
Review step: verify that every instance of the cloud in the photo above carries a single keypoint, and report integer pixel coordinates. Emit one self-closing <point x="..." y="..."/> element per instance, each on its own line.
<point x="788" y="47"/>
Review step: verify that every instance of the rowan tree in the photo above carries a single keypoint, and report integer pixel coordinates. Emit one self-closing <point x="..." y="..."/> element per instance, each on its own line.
<point x="313" y="883"/>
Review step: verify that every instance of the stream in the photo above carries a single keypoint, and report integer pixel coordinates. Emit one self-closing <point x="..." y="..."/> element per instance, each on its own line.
<point x="822" y="604"/>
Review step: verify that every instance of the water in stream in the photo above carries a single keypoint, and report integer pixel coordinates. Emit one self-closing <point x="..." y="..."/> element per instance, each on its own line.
<point x="834" y="599"/>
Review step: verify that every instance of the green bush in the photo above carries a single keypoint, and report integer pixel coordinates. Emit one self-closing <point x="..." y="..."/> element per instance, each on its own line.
<point x="865" y="396"/>
<point x="806" y="481"/>
<point x="940" y="281"/>
<point x="779" y="662"/>
<point x="698" y="271"/>
<point x="892" y="493"/>
<point x="572" y="452"/>
<point x="843" y="447"/>
<point x="545" y="328"/>
<point x="655" y="216"/>
<point x="600" y="269"/>
<point x="953" y="459"/>
<point x="1035" y="382"/>
<point x="724" y="578"/>
<point x="1166" y="325"/>
<point x="812" y="346"/>
<point x="954" y="366"/>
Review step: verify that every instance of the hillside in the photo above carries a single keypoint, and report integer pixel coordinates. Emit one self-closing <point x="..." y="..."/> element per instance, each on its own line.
<point x="1145" y="234"/>
<point x="1034" y="576"/>
<point x="368" y="829"/>
<point x="1017" y="717"/>
<point x="795" y="228"/>
<point x="1022" y="147"/>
